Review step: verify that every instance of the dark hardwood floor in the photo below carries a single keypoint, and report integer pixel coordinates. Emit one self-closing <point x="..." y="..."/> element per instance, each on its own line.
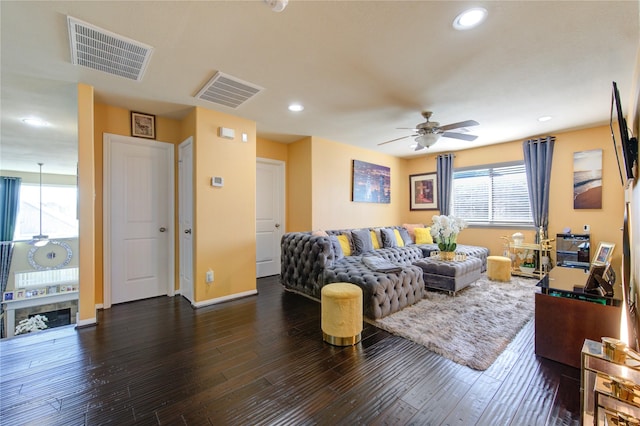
<point x="261" y="360"/>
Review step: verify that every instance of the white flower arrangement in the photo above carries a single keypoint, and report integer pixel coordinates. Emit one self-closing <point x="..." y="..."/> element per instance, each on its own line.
<point x="445" y="230"/>
<point x="35" y="323"/>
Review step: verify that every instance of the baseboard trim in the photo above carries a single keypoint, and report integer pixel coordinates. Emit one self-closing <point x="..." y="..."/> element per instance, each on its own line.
<point x="224" y="299"/>
<point x="86" y="322"/>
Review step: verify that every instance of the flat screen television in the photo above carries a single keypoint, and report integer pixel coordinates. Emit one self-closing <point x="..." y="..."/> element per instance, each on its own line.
<point x="626" y="147"/>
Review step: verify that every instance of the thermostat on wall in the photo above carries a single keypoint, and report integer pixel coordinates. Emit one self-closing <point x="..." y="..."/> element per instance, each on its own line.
<point x="217" y="181"/>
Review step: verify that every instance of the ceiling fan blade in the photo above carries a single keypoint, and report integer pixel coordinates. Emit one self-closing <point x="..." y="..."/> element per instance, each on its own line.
<point x="419" y="147"/>
<point x="462" y="136"/>
<point x="467" y="123"/>
<point x="396" y="139"/>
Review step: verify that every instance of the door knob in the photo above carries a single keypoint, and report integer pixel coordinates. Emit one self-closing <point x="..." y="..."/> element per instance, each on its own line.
<point x="162" y="229"/>
<point x="187" y="231"/>
<point x="277" y="225"/>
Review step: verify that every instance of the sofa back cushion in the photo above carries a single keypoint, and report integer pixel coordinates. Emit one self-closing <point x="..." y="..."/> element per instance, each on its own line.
<point x="399" y="240"/>
<point x="411" y="227"/>
<point x="388" y="238"/>
<point x="345" y="244"/>
<point x="337" y="247"/>
<point x="406" y="238"/>
<point x="423" y="236"/>
<point x="375" y="239"/>
<point x="362" y="241"/>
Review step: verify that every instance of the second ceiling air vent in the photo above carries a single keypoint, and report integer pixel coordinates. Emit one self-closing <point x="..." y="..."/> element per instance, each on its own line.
<point x="102" y="50"/>
<point x="229" y="91"/>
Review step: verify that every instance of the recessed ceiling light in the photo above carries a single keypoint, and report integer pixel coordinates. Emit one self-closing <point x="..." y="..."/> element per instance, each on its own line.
<point x="470" y="18"/>
<point x="544" y="118"/>
<point x="296" y="107"/>
<point x="35" y="122"/>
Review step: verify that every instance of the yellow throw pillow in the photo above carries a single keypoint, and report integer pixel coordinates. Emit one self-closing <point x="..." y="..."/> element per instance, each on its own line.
<point x="423" y="236"/>
<point x="399" y="239"/>
<point x="374" y="240"/>
<point x="411" y="227"/>
<point x="344" y="243"/>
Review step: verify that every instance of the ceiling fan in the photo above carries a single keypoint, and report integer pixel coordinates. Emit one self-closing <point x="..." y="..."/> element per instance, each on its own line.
<point x="429" y="132"/>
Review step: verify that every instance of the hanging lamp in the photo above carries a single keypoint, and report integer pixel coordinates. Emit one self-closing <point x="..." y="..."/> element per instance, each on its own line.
<point x="40" y="240"/>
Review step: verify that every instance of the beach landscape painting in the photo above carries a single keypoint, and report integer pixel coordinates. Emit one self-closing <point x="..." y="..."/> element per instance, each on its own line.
<point x="587" y="179"/>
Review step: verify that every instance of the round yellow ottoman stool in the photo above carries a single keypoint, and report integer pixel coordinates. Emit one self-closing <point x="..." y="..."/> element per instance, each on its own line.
<point x="341" y="314"/>
<point x="498" y="268"/>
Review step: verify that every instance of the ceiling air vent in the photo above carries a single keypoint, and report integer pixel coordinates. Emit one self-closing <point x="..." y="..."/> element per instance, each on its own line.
<point x="102" y="50"/>
<point x="226" y="90"/>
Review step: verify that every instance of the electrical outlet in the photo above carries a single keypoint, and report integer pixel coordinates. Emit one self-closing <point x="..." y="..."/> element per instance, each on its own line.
<point x="209" y="276"/>
<point x="586" y="228"/>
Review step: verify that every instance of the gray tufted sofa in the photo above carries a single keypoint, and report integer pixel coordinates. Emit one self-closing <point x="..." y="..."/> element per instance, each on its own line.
<point x="309" y="262"/>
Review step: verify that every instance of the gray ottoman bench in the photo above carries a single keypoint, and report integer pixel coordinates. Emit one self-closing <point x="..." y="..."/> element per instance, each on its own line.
<point x="450" y="276"/>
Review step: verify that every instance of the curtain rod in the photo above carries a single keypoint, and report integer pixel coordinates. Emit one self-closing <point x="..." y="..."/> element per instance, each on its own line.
<point x="543" y="139"/>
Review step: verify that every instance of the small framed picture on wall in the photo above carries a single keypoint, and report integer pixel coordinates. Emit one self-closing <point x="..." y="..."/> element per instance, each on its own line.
<point x="423" y="190"/>
<point x="143" y="125"/>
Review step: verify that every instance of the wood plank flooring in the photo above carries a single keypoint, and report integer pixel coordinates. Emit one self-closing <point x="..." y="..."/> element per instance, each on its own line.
<point x="261" y="360"/>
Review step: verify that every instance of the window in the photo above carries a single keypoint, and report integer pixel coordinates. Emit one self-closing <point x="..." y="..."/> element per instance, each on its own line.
<point x="492" y="195"/>
<point x="59" y="211"/>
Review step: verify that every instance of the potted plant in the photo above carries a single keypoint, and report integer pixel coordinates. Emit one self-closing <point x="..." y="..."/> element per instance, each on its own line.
<point x="445" y="230"/>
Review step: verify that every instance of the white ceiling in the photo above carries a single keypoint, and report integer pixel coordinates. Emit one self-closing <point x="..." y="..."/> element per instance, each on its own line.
<point x="361" y="68"/>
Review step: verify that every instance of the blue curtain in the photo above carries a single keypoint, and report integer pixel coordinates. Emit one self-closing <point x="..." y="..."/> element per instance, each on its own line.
<point x="9" y="201"/>
<point x="444" y="170"/>
<point x="538" y="154"/>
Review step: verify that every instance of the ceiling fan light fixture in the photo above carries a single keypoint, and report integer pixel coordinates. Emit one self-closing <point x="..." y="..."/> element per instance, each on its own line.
<point x="470" y="18"/>
<point x="427" y="139"/>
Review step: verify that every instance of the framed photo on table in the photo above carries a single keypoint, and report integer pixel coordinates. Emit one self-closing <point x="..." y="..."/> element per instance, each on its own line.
<point x="143" y="125"/>
<point x="603" y="254"/>
<point x="423" y="190"/>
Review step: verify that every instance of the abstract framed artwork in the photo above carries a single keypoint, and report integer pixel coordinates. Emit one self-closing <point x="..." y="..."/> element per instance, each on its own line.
<point x="423" y="190"/>
<point x="370" y="183"/>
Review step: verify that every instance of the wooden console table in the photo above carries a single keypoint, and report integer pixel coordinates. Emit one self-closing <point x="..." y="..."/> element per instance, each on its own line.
<point x="565" y="318"/>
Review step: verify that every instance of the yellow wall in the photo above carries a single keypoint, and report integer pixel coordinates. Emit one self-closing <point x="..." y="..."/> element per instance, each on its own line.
<point x="332" y="169"/>
<point x="224" y="218"/>
<point x="86" y="205"/>
<point x="271" y="150"/>
<point x="299" y="186"/>
<point x="605" y="222"/>
<point x="114" y="120"/>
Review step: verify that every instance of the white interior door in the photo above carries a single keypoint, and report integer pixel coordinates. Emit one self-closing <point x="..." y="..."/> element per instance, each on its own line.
<point x="138" y="218"/>
<point x="185" y="208"/>
<point x="270" y="207"/>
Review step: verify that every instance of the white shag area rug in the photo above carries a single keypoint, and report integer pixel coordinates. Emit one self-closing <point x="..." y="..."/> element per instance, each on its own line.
<point x="471" y="328"/>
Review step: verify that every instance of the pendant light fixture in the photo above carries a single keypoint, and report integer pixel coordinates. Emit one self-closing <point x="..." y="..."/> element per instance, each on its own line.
<point x="40" y="240"/>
